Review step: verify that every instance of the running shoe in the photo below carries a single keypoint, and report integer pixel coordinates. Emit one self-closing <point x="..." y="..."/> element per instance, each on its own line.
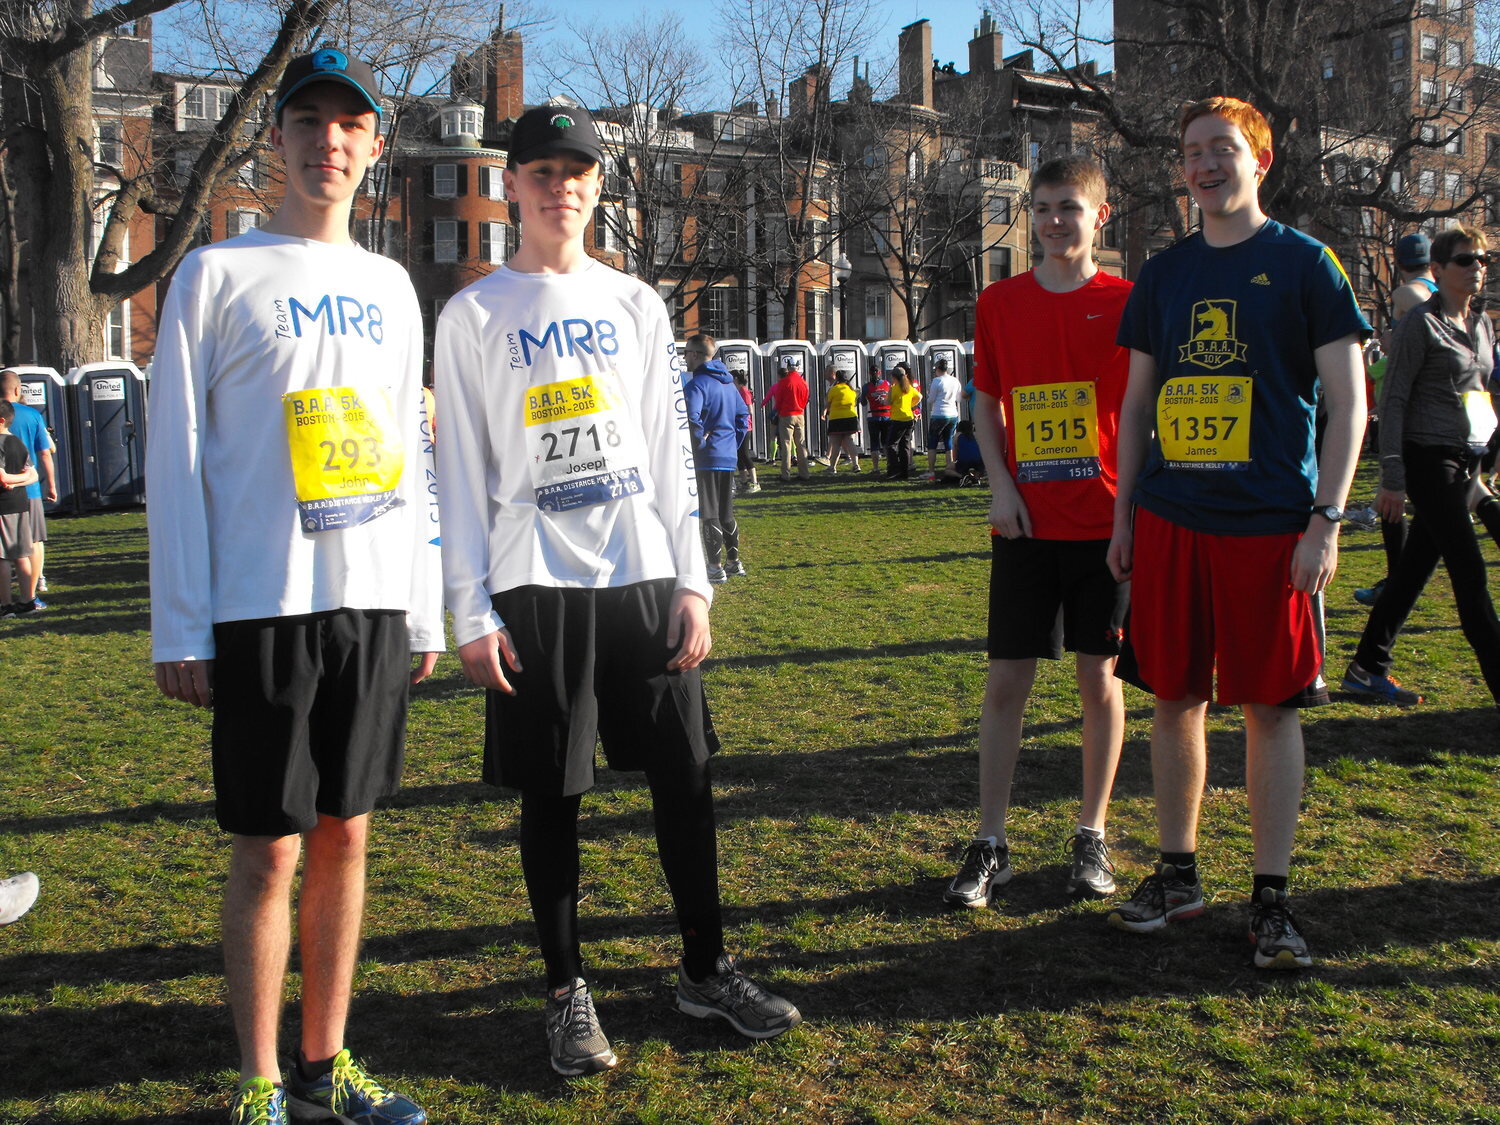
<point x="717" y="576"/>
<point x="1278" y="945"/>
<point x="1091" y="872"/>
<point x="574" y="1038"/>
<point x="16" y="896"/>
<point x="735" y="569"/>
<point x="731" y="995"/>
<point x="39" y="603"/>
<point x="986" y="868"/>
<point x="258" y="1101"/>
<point x="27" y="609"/>
<point x="7" y="610"/>
<point x="1369" y="595"/>
<point x="1162" y="897"/>
<point x="348" y="1094"/>
<point x="752" y="488"/>
<point x="1378" y="689"/>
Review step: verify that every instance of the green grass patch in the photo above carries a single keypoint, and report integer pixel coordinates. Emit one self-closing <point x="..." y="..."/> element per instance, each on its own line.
<point x="845" y="683"/>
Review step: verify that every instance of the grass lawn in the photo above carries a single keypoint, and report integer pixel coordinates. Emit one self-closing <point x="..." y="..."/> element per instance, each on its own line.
<point x="846" y="683"/>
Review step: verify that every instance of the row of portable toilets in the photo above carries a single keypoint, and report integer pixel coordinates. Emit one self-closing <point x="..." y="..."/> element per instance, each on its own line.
<point x="764" y="363"/>
<point x="96" y="415"/>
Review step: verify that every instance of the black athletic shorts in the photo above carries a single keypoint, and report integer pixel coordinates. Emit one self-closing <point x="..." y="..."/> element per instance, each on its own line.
<point x="309" y="717"/>
<point x="1050" y="594"/>
<point x="715" y="496"/>
<point x="594" y="668"/>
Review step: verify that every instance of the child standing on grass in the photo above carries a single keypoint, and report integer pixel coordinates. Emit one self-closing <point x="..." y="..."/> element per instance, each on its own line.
<point x="291" y="579"/>
<point x="1227" y="517"/>
<point x="574" y="572"/>
<point x="1048" y="379"/>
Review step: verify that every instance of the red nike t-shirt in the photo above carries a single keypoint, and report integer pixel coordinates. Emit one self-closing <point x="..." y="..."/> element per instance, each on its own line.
<point x="1051" y="361"/>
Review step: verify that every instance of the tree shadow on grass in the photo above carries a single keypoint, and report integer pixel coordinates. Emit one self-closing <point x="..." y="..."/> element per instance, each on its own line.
<point x="490" y="1033"/>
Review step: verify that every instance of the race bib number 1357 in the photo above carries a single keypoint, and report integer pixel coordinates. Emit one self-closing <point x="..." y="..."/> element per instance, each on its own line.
<point x="1204" y="423"/>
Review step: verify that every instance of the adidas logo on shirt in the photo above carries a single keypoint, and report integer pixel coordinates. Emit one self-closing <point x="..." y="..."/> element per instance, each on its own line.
<point x="1260" y="279"/>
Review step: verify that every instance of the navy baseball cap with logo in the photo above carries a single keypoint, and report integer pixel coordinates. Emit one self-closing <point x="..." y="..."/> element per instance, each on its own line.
<point x="550" y="129"/>
<point x="1414" y="250"/>
<point x="328" y="65"/>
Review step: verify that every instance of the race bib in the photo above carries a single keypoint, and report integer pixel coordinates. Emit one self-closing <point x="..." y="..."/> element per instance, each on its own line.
<point x="1055" y="430"/>
<point x="585" y="447"/>
<point x="347" y="456"/>
<point x="1204" y="423"/>
<point x="1481" y="411"/>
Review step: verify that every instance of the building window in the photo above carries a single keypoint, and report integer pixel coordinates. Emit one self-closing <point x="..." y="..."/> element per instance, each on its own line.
<point x="1492" y="209"/>
<point x="817" y="312"/>
<point x="494" y="243"/>
<point x="107" y="146"/>
<point x="1327" y="66"/>
<point x="1453" y="53"/>
<point x="114" y="331"/>
<point x="877" y="314"/>
<point x="238" y="222"/>
<point x="377" y="178"/>
<point x="248" y="173"/>
<point x="206" y="103"/>
<point x="1000" y="210"/>
<point x="1427" y="182"/>
<point x="491" y="182"/>
<point x="1398" y="48"/>
<point x="1428" y="48"/>
<point x="1429" y="91"/>
<point x="1452" y="185"/>
<point x="445" y="180"/>
<point x="1109" y="237"/>
<point x="1455" y="143"/>
<point x="1455" y="95"/>
<point x="1398" y="89"/>
<point x="1428" y="133"/>
<point x="1000" y="266"/>
<point x="607" y="222"/>
<point x="461" y="122"/>
<point x="723" y="311"/>
<point x="445" y="240"/>
<point x="438" y="305"/>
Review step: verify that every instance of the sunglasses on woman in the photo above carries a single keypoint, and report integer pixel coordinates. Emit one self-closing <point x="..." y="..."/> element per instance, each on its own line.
<point x="1466" y="260"/>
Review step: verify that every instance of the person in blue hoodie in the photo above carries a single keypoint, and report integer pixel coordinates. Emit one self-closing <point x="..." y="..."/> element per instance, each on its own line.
<point x="720" y="421"/>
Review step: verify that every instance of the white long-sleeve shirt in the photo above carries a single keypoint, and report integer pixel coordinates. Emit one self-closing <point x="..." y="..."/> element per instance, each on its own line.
<point x="245" y="322"/>
<point x="564" y="456"/>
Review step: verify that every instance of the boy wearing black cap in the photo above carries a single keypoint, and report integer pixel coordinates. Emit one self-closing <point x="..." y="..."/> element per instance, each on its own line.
<point x="573" y="569"/>
<point x="291" y="576"/>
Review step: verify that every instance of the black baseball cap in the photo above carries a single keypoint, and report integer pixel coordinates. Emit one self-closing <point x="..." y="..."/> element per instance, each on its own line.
<point x="550" y="129"/>
<point x="328" y="65"/>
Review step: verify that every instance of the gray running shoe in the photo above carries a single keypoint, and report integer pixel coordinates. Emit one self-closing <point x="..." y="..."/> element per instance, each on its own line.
<point x="1278" y="945"/>
<point x="730" y="995"/>
<point x="574" y="1037"/>
<point x="1091" y="873"/>
<point x="1161" y="898"/>
<point x="16" y="896"/>
<point x="986" y="868"/>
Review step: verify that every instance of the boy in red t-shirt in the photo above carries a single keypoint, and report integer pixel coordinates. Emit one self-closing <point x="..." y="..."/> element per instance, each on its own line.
<point x="1049" y="379"/>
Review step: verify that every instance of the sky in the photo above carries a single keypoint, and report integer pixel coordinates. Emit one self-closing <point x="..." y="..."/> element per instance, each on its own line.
<point x="953" y="23"/>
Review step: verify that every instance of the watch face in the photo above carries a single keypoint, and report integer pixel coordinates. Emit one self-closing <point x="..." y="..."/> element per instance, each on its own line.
<point x="1331" y="513"/>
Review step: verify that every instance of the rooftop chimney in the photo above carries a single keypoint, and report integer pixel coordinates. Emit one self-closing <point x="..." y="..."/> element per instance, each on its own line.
<point x="915" y="50"/>
<point x="987" y="48"/>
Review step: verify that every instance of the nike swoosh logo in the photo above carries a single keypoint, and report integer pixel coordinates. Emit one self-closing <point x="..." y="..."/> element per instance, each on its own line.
<point x="1093" y="316"/>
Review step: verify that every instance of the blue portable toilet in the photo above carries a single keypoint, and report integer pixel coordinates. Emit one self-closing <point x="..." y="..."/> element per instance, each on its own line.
<point x="109" y="421"/>
<point x="778" y="354"/>
<point x="43" y="388"/>
<point x="742" y="357"/>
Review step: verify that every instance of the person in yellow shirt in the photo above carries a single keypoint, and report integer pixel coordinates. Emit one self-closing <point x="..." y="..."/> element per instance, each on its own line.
<point x="841" y="412"/>
<point x="905" y="394"/>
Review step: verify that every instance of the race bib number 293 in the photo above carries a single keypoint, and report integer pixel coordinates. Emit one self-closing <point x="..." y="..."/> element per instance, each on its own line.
<point x="347" y="455"/>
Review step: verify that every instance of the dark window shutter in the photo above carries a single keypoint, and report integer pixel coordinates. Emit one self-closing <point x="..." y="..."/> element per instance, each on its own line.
<point x="463" y="239"/>
<point x="429" y="185"/>
<point x="463" y="179"/>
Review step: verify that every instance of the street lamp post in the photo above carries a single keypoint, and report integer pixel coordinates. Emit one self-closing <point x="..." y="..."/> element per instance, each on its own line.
<point x="841" y="271"/>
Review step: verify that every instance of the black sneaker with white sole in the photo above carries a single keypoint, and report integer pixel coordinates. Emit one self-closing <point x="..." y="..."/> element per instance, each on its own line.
<point x="986" y="868"/>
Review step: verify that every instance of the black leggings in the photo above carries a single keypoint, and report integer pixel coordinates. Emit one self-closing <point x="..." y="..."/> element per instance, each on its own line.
<point x="1438" y="481"/>
<point x="686" y="840"/>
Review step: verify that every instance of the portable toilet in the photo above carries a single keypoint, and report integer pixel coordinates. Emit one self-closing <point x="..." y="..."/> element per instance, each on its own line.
<point x="884" y="355"/>
<point x="958" y="366"/>
<point x="844" y="355"/>
<point x="109" y="421"/>
<point x="43" y="388"/>
<point x="969" y="380"/>
<point x="779" y="354"/>
<point x="743" y="357"/>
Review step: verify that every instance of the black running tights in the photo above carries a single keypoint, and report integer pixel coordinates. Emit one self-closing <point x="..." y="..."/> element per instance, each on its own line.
<point x="686" y="841"/>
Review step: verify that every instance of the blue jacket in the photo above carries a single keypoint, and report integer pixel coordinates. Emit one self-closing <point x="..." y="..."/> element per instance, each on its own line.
<point x="717" y="415"/>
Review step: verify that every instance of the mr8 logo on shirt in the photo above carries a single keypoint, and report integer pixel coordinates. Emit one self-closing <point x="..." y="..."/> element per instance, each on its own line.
<point x="566" y="338"/>
<point x="332" y="315"/>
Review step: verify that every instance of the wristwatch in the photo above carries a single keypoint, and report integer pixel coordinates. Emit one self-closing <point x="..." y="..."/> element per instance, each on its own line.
<point x="1330" y="512"/>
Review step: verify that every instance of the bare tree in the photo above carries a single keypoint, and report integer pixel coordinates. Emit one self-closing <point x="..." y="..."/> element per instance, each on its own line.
<point x="793" y="49"/>
<point x="49" y="139"/>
